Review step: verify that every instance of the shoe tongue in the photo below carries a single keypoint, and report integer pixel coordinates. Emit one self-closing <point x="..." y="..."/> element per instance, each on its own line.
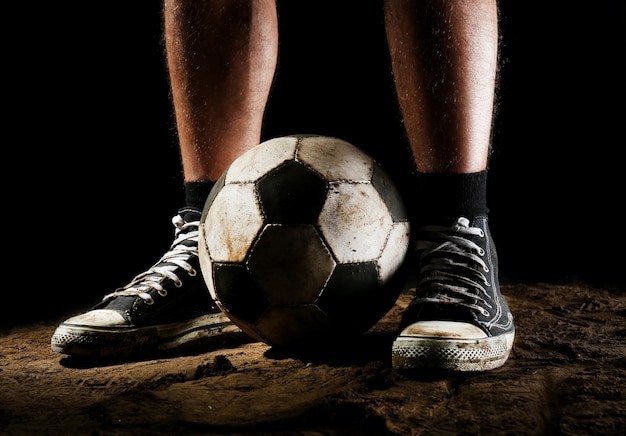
<point x="190" y="214"/>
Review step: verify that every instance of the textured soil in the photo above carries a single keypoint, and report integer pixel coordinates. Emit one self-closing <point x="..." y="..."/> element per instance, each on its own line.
<point x="566" y="375"/>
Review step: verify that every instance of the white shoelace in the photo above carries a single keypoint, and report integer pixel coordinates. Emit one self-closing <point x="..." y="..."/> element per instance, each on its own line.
<point x="173" y="260"/>
<point x="453" y="273"/>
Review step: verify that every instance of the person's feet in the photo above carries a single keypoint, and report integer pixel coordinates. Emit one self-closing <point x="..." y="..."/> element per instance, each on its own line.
<point x="458" y="320"/>
<point x="163" y="308"/>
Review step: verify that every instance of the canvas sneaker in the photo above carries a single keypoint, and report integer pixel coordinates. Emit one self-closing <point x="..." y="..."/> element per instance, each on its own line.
<point x="163" y="308"/>
<point x="458" y="319"/>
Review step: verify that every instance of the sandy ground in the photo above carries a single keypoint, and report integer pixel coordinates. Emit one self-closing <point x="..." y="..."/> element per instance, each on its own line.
<point x="566" y="375"/>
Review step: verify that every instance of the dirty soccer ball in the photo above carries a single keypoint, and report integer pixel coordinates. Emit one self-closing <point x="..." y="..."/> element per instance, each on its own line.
<point x="304" y="237"/>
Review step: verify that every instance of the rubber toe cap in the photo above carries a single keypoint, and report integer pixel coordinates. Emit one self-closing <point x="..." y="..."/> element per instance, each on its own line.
<point x="444" y="329"/>
<point x="98" y="318"/>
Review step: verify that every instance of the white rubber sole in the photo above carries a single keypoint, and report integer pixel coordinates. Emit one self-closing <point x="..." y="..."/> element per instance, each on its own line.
<point x="451" y="354"/>
<point x="119" y="341"/>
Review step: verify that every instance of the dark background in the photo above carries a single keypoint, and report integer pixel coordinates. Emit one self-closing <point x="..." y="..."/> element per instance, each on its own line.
<point x="92" y="174"/>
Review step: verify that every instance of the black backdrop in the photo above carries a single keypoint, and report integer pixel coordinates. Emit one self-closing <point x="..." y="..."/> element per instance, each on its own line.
<point x="91" y="135"/>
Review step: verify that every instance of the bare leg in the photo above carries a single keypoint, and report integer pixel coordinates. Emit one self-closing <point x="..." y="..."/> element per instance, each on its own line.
<point x="444" y="57"/>
<point x="221" y="56"/>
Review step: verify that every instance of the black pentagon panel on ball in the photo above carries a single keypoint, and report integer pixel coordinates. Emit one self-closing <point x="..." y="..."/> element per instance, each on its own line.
<point x="290" y="264"/>
<point x="238" y="292"/>
<point x="389" y="193"/>
<point x="289" y="326"/>
<point x="354" y="298"/>
<point x="292" y="194"/>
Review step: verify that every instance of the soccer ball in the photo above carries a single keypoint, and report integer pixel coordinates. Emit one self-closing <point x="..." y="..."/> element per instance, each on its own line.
<point x="302" y="238"/>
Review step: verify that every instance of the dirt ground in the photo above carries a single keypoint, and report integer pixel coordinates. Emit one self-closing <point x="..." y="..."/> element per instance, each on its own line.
<point x="566" y="375"/>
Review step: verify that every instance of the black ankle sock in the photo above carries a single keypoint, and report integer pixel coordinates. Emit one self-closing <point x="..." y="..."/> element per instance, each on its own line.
<point x="196" y="193"/>
<point x="444" y="197"/>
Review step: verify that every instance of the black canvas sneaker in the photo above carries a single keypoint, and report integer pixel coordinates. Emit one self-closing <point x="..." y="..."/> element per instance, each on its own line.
<point x="163" y="308"/>
<point x="458" y="319"/>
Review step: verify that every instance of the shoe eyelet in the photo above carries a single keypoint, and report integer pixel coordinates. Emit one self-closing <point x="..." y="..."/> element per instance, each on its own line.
<point x="149" y="301"/>
<point x="481" y="234"/>
<point x="162" y="292"/>
<point x="485" y="269"/>
<point x="178" y="284"/>
<point x="481" y="252"/>
<point x="192" y="272"/>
